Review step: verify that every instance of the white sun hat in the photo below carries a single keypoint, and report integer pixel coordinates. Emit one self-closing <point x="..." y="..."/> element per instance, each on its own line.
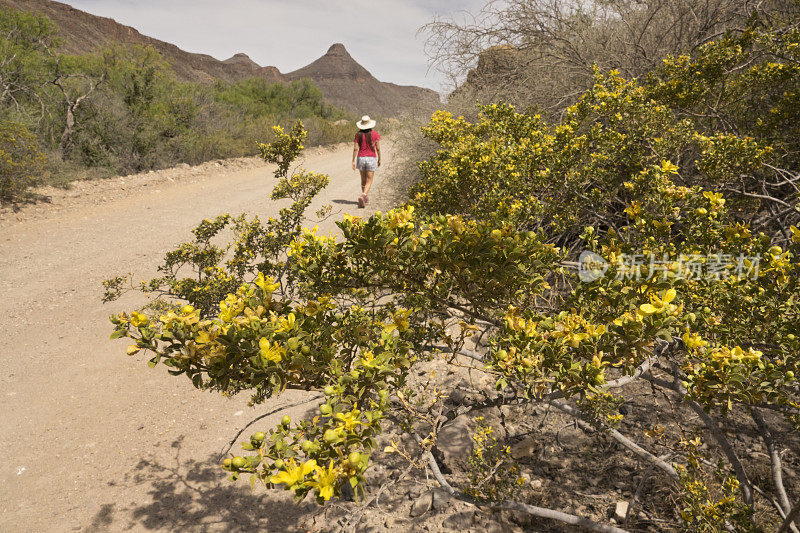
<point x="365" y="123"/>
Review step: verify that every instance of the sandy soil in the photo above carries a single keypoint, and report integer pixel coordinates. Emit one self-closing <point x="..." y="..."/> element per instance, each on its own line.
<point x="93" y="440"/>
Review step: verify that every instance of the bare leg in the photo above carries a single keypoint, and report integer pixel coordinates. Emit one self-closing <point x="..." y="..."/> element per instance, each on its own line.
<point x="366" y="180"/>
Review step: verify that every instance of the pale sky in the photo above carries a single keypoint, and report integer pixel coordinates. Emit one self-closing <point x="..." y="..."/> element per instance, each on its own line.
<point x="289" y="34"/>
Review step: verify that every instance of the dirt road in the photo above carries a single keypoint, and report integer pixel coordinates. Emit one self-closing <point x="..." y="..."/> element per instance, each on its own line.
<point x="94" y="440"/>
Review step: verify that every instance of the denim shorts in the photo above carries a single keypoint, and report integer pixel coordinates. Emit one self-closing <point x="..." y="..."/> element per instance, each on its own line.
<point x="367" y="163"/>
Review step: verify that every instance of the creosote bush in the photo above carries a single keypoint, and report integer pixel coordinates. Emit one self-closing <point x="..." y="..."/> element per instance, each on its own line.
<point x="706" y="319"/>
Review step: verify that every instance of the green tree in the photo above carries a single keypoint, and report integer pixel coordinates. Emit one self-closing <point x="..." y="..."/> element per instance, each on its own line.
<point x="26" y="44"/>
<point x="20" y="159"/>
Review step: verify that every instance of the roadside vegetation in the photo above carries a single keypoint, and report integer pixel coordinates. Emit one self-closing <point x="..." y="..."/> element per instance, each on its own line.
<point x="122" y="111"/>
<point x="630" y="262"/>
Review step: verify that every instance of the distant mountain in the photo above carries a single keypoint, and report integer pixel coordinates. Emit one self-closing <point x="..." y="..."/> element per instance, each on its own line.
<point x="83" y="33"/>
<point x="347" y="84"/>
<point x="342" y="80"/>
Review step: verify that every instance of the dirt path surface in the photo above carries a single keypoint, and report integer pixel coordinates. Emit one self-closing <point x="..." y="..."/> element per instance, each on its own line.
<point x="93" y="440"/>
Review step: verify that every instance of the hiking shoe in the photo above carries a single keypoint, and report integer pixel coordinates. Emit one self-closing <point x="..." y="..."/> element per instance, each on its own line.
<point x="362" y="200"/>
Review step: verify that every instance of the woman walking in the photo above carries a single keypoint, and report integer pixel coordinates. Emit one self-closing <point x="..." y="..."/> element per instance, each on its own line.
<point x="366" y="155"/>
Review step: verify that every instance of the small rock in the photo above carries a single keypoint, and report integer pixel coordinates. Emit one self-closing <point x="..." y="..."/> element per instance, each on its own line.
<point x="457" y="397"/>
<point x="441" y="499"/>
<point x="455" y="441"/>
<point x="422" y="504"/>
<point x="537" y="484"/>
<point x="459" y="521"/>
<point x="620" y="511"/>
<point x="525" y="448"/>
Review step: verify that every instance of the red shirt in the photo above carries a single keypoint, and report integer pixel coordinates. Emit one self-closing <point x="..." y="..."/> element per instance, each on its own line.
<point x="365" y="150"/>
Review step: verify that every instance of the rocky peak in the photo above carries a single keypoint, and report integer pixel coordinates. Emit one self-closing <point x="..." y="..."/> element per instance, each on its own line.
<point x="337" y="50"/>
<point x="242" y="59"/>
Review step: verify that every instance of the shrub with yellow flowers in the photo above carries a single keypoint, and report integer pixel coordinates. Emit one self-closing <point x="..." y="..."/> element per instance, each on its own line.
<point x="493" y="472"/>
<point x="697" y="306"/>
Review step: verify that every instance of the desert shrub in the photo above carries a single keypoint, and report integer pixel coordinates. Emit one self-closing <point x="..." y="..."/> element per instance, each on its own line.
<point x="352" y="318"/>
<point x="260" y="97"/>
<point x="683" y="301"/>
<point x="566" y="176"/>
<point x="20" y="160"/>
<point x="322" y="131"/>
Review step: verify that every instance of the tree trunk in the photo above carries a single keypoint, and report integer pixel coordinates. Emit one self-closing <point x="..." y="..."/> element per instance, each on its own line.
<point x="69" y="129"/>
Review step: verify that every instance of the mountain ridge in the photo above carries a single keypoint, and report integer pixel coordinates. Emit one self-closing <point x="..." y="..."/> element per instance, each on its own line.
<point x="343" y="81"/>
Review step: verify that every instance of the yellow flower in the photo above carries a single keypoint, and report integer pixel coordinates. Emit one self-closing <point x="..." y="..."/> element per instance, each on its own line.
<point x="668" y="168"/>
<point x="349" y="420"/>
<point x="206" y="337"/>
<point x="325" y="480"/>
<point x="574" y="339"/>
<point x="634" y="209"/>
<point x="287" y="324"/>
<point x="139" y="320"/>
<point x="296" y="247"/>
<point x="715" y="199"/>
<point x="270" y="352"/>
<point x="267" y="284"/>
<point x="400" y="321"/>
<point x="738" y="353"/>
<point x="595" y="331"/>
<point x="293" y="474"/>
<point x="402" y="217"/>
<point x="230" y="308"/>
<point x="693" y="340"/>
<point x="597" y="361"/>
<point x="658" y="304"/>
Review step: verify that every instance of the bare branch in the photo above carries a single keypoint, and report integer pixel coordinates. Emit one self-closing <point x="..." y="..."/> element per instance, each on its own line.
<point x="541" y="512"/>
